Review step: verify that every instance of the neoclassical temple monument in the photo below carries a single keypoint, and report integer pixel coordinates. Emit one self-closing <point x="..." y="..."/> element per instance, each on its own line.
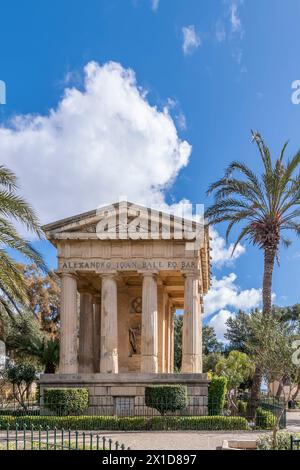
<point x="124" y="271"/>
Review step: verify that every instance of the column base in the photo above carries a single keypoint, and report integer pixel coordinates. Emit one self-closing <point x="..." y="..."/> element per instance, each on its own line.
<point x="191" y="364"/>
<point x="109" y="364"/>
<point x="149" y="364"/>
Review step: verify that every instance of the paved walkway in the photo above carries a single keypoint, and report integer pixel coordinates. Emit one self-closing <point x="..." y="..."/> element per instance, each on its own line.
<point x="293" y="421"/>
<point x="190" y="440"/>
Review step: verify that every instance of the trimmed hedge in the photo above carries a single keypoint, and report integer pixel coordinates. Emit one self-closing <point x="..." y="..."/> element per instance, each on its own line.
<point x="64" y="401"/>
<point x="109" y="423"/>
<point x="165" y="398"/>
<point x="216" y="395"/>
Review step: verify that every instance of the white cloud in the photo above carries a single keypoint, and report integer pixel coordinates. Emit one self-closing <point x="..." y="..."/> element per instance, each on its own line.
<point x="181" y="121"/>
<point x="218" y="322"/>
<point x="154" y="4"/>
<point x="191" y="39"/>
<point x="175" y="111"/>
<point x="222" y="255"/>
<point x="225" y="293"/>
<point x="236" y="24"/>
<point x="100" y="142"/>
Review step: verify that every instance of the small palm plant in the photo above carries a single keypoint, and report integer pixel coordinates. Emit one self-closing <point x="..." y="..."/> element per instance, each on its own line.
<point x="14" y="208"/>
<point x="266" y="206"/>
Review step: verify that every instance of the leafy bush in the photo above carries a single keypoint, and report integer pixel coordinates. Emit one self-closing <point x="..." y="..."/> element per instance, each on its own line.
<point x="109" y="423"/>
<point x="63" y="401"/>
<point x="242" y="407"/>
<point x="21" y="376"/>
<point x="264" y="419"/>
<point x="216" y="395"/>
<point x="199" y="423"/>
<point x="166" y="397"/>
<point x="265" y="442"/>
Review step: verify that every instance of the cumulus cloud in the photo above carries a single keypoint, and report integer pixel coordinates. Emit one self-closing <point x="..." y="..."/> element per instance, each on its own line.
<point x="225" y="293"/>
<point x="191" y="39"/>
<point x="100" y="142"/>
<point x="218" y="322"/>
<point x="221" y="254"/>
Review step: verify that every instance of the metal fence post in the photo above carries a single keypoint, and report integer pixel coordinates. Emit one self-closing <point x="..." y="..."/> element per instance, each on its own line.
<point x="24" y="436"/>
<point x="16" y="436"/>
<point x="7" y="437"/>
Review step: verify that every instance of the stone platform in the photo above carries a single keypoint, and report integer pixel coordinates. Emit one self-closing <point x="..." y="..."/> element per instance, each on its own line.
<point x="123" y="394"/>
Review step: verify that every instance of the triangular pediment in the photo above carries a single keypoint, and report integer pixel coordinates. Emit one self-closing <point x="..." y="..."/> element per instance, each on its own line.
<point x="120" y="218"/>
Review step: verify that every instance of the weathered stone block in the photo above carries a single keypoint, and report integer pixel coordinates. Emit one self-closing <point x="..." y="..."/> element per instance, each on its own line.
<point x="123" y="391"/>
<point x="101" y="391"/>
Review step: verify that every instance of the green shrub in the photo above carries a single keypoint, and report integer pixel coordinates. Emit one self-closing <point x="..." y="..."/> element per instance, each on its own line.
<point x="166" y="397"/>
<point x="242" y="407"/>
<point x="199" y="423"/>
<point x="264" y="419"/>
<point x="265" y="442"/>
<point x="63" y="401"/>
<point x="111" y="423"/>
<point x="216" y="395"/>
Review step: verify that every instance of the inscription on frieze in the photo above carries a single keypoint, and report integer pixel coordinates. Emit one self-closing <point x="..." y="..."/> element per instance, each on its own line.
<point x="128" y="265"/>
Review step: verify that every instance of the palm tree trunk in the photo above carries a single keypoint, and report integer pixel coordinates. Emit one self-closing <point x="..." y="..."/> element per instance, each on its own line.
<point x="269" y="260"/>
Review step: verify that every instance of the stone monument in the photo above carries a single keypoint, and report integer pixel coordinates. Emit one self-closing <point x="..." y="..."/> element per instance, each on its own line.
<point x="125" y="270"/>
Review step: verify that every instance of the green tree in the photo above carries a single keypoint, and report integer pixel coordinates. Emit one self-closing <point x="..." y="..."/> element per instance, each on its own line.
<point x="13" y="207"/>
<point x="238" y="331"/>
<point x="210" y="361"/>
<point x="24" y="338"/>
<point x="266" y="205"/>
<point x="21" y="376"/>
<point x="178" y="322"/>
<point x="46" y="350"/>
<point x="210" y="344"/>
<point x="272" y="349"/>
<point x="237" y="368"/>
<point x="44" y="297"/>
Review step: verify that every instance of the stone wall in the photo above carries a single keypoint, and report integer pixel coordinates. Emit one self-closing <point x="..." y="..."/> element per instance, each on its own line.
<point x="123" y="394"/>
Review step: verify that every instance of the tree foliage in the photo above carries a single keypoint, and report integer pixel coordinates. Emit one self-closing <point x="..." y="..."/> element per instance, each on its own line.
<point x="44" y="297"/>
<point x="13" y="208"/>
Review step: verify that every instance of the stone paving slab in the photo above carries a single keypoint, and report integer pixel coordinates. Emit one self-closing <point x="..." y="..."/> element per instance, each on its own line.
<point x="189" y="440"/>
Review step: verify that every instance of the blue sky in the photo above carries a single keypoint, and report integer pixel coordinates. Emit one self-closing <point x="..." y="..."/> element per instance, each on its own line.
<point x="220" y="67"/>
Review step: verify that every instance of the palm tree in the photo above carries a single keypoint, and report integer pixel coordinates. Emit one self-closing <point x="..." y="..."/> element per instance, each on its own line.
<point x="14" y="208"/>
<point x="46" y="350"/>
<point x="266" y="206"/>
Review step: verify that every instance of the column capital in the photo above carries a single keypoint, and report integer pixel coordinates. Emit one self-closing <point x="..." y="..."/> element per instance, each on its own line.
<point x="149" y="273"/>
<point x="191" y="275"/>
<point x="84" y="290"/>
<point x="109" y="274"/>
<point x="70" y="274"/>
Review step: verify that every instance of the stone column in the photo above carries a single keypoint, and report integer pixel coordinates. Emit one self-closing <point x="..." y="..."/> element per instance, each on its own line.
<point x="149" y="363"/>
<point x="86" y="353"/>
<point x="109" y="325"/>
<point x="68" y="325"/>
<point x="161" y="306"/>
<point x="96" y="332"/>
<point x="167" y="336"/>
<point x="172" y="314"/>
<point x="191" y="334"/>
